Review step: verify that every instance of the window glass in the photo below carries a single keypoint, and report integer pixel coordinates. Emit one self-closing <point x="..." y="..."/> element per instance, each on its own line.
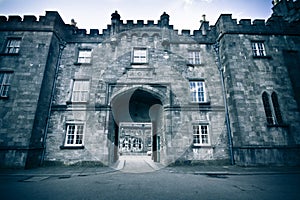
<point x="197" y="91"/>
<point x="74" y="135"/>
<point x="140" y="55"/>
<point x="80" y="91"/>
<point x="5" y="79"/>
<point x="194" y="57"/>
<point x="13" y="46"/>
<point x="200" y="135"/>
<point x="258" y="49"/>
<point x="84" y="56"/>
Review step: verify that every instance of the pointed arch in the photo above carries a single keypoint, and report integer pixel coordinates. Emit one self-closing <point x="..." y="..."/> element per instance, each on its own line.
<point x="276" y="107"/>
<point x="267" y="107"/>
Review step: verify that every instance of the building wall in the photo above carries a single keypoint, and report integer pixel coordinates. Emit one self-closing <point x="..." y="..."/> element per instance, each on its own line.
<point x="247" y="77"/>
<point x="24" y="112"/>
<point x="157" y="91"/>
<point x="111" y="65"/>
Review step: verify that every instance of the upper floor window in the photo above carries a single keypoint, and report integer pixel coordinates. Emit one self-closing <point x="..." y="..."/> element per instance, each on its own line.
<point x="139" y="55"/>
<point x="200" y="135"/>
<point x="74" y="134"/>
<point x="84" y="56"/>
<point x="258" y="49"/>
<point x="80" y="91"/>
<point x="194" y="57"/>
<point x="12" y="46"/>
<point x="5" y="79"/>
<point x="272" y="109"/>
<point x="197" y="91"/>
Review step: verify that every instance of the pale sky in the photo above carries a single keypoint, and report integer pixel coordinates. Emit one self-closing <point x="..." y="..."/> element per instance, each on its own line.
<point x="96" y="14"/>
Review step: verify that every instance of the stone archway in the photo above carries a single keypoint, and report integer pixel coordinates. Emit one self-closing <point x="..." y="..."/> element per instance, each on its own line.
<point x="139" y="110"/>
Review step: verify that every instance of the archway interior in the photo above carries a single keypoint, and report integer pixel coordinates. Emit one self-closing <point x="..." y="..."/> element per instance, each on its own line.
<point x="137" y="114"/>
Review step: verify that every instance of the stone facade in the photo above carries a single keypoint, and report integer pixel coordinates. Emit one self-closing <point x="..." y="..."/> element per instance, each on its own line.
<point x="72" y="93"/>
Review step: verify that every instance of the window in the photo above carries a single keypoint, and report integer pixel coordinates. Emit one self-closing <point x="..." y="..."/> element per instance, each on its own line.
<point x="272" y="110"/>
<point x="258" y="49"/>
<point x="80" y="91"/>
<point x="200" y="135"/>
<point x="13" y="46"/>
<point x="194" y="57"/>
<point x="139" y="55"/>
<point x="5" y="79"/>
<point x="276" y="108"/>
<point x="197" y="91"/>
<point x="84" y="56"/>
<point x="74" y="135"/>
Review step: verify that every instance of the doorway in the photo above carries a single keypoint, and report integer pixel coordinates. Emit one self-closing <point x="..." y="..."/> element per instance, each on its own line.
<point x="136" y="117"/>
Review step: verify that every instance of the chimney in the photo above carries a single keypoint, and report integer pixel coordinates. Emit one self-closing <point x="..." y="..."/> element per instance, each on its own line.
<point x="204" y="25"/>
<point x="164" y="19"/>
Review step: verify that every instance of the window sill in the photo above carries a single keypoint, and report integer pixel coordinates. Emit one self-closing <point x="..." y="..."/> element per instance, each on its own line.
<point x="206" y="103"/>
<point x="71" y="147"/>
<point x="199" y="146"/>
<point x="144" y="63"/>
<point x="5" y="98"/>
<point x="278" y="125"/>
<point x="262" y="57"/>
<point x="194" y="65"/>
<point x="77" y="102"/>
<point x="76" y="63"/>
<point x="9" y="54"/>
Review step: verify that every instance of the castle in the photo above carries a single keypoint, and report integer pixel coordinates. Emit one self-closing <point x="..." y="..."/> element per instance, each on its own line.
<point x="226" y="93"/>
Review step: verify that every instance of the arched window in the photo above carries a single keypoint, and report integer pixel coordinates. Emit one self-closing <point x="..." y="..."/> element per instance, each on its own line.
<point x="268" y="109"/>
<point x="276" y="108"/>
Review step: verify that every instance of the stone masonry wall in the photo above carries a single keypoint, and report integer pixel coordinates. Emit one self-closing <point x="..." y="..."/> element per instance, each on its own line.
<point x="19" y="110"/>
<point x="111" y="63"/>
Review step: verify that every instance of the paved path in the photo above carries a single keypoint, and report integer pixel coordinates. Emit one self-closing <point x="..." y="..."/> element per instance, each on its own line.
<point x="137" y="164"/>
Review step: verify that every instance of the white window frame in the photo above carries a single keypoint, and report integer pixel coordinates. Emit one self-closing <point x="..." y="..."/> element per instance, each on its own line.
<point x="13" y="46"/>
<point x="197" y="92"/>
<point x="79" y="129"/>
<point x="258" y="49"/>
<point x="139" y="55"/>
<point x="201" y="135"/>
<point x="80" y="91"/>
<point x="5" y="79"/>
<point x="194" y="57"/>
<point x="84" y="56"/>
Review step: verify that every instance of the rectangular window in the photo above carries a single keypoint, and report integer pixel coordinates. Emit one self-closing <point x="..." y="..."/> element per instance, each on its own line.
<point x="194" y="57"/>
<point x="197" y="91"/>
<point x="84" y="56"/>
<point x="5" y="79"/>
<point x="80" y="91"/>
<point x="200" y="135"/>
<point x="258" y="49"/>
<point x="139" y="55"/>
<point x="13" y="46"/>
<point x="74" y="135"/>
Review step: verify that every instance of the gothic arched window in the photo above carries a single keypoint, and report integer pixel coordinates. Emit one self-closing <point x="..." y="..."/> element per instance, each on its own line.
<point x="267" y="107"/>
<point x="272" y="109"/>
<point x="276" y="108"/>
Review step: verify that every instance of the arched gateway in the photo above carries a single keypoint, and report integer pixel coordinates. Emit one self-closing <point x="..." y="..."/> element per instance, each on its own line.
<point x="136" y="121"/>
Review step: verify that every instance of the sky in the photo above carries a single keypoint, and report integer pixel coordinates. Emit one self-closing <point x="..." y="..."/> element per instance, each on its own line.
<point x="96" y="14"/>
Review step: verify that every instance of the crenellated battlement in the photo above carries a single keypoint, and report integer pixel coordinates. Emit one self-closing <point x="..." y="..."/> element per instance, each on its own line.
<point x="276" y="24"/>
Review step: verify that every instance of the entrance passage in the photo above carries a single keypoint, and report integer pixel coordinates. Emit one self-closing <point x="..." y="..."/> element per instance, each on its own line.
<point x="137" y="125"/>
<point x="135" y="138"/>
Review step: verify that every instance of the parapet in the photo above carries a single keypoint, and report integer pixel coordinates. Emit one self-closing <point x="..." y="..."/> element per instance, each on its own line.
<point x="51" y="19"/>
<point x="274" y="25"/>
